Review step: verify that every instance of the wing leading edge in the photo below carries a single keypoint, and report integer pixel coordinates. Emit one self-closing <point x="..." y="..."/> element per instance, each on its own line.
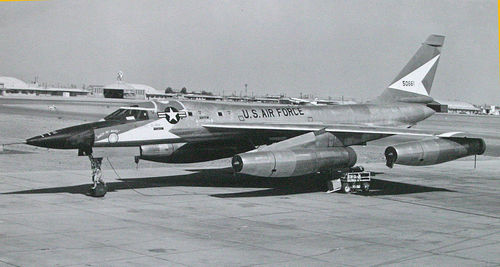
<point x="332" y="128"/>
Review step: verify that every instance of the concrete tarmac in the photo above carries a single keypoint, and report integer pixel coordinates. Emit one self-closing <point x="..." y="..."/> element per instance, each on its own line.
<point x="199" y="215"/>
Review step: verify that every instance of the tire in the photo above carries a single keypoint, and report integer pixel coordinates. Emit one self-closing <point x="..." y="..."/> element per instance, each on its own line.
<point x="346" y="188"/>
<point x="99" y="191"/>
<point x="366" y="186"/>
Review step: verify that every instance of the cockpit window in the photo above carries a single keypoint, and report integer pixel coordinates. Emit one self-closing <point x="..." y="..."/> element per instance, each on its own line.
<point x="128" y="114"/>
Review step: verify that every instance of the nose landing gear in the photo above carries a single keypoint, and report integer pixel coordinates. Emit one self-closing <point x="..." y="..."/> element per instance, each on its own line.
<point x="98" y="188"/>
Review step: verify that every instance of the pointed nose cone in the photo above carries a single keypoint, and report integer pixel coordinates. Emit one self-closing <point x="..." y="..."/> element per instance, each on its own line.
<point x="68" y="138"/>
<point x="40" y="141"/>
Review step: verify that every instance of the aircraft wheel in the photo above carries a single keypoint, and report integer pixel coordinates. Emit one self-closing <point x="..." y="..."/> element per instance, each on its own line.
<point x="346" y="188"/>
<point x="99" y="190"/>
<point x="366" y="186"/>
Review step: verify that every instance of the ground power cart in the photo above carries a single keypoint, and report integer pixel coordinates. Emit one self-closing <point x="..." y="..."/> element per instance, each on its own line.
<point x="355" y="180"/>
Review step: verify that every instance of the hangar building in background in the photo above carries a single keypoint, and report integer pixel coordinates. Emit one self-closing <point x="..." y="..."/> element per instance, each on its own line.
<point x="460" y="107"/>
<point x="14" y="86"/>
<point x="122" y="89"/>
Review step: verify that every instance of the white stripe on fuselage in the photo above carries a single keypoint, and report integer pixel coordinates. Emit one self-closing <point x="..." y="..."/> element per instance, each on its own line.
<point x="146" y="132"/>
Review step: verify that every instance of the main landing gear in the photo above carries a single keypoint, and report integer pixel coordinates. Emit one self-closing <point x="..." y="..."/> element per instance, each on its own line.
<point x="98" y="188"/>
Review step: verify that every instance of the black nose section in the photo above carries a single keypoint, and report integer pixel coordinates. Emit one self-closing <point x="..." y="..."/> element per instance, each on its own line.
<point x="67" y="138"/>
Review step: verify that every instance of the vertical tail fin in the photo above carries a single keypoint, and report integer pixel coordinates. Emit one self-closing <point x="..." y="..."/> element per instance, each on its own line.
<point x="414" y="82"/>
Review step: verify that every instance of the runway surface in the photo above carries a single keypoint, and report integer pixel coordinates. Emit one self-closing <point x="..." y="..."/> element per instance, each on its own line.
<point x="197" y="215"/>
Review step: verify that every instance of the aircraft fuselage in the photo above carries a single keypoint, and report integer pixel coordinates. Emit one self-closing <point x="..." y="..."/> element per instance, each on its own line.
<point x="173" y="128"/>
<point x="183" y="122"/>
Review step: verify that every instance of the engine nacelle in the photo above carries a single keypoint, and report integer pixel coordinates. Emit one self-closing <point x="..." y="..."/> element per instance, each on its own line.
<point x="160" y="150"/>
<point x="434" y="151"/>
<point x="295" y="162"/>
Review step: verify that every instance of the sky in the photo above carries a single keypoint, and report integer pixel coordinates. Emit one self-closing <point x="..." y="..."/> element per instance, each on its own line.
<point x="347" y="48"/>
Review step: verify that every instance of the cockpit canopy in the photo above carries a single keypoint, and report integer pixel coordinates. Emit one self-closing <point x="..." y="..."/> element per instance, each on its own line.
<point x="142" y="111"/>
<point x="138" y="112"/>
<point x="128" y="114"/>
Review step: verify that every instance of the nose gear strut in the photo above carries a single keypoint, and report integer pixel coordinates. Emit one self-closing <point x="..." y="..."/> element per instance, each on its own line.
<point x="98" y="188"/>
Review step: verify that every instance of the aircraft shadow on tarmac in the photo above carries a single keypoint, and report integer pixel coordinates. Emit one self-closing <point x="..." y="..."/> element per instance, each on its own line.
<point x="218" y="178"/>
<point x="12" y="151"/>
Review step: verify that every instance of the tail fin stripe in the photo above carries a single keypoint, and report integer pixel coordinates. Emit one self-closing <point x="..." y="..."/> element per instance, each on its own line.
<point x="412" y="82"/>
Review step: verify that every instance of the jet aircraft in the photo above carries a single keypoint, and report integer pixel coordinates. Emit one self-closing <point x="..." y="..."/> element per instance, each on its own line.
<point x="275" y="140"/>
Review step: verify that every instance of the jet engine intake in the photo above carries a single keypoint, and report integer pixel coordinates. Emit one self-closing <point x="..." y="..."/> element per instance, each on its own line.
<point x="433" y="151"/>
<point x="294" y="162"/>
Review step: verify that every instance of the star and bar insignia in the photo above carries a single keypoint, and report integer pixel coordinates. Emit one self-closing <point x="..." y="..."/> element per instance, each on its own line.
<point x="172" y="115"/>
